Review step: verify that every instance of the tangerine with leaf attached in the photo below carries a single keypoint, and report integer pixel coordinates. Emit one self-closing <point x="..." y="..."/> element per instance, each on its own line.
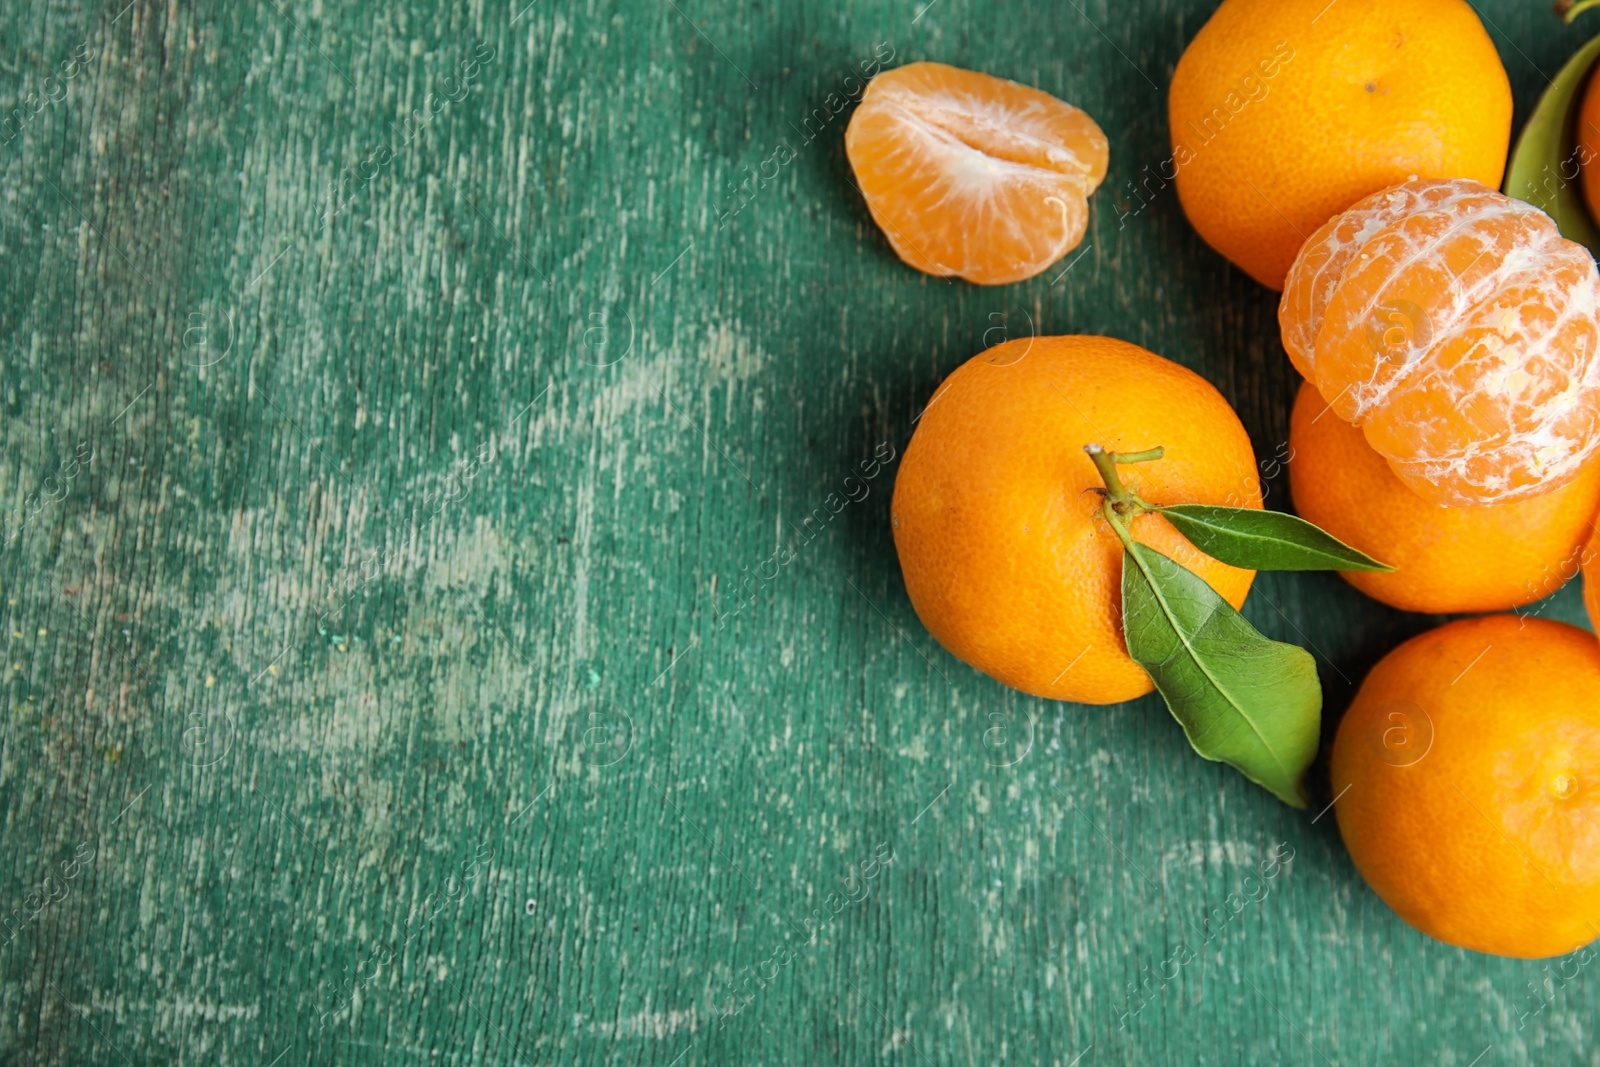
<point x="997" y="509"/>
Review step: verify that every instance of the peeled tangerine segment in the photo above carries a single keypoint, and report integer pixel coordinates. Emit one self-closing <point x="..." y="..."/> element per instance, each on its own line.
<point x="1456" y="327"/>
<point x="973" y="175"/>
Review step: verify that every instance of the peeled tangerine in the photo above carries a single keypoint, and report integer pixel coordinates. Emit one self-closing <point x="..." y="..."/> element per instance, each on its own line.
<point x="973" y="175"/>
<point x="1456" y="327"/>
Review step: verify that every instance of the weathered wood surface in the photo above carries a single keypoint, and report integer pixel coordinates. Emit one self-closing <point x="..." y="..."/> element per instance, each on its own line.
<point x="378" y="491"/>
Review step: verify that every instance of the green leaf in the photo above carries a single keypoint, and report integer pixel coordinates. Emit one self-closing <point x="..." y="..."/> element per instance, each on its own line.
<point x="1247" y="701"/>
<point x="1544" y="168"/>
<point x="1265" y="540"/>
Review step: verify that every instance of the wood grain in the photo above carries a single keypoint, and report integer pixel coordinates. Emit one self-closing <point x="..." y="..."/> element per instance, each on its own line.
<point x="389" y="684"/>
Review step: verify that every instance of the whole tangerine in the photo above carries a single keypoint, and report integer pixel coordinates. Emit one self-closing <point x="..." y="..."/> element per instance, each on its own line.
<point x="1285" y="112"/>
<point x="997" y="524"/>
<point x="1472" y="559"/>
<point x="1457" y="328"/>
<point x="1467" y="778"/>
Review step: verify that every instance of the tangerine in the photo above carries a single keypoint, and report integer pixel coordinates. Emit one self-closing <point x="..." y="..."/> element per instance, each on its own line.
<point x="1285" y="112"/>
<point x="1467" y="778"/>
<point x="972" y="175"/>
<point x="1006" y="557"/>
<point x="1488" y="558"/>
<point x="1588" y="150"/>
<point x="1456" y="327"/>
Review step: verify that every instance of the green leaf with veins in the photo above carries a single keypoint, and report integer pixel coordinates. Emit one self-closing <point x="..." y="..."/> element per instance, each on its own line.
<point x="1543" y="170"/>
<point x="1242" y="699"/>
<point x="1265" y="540"/>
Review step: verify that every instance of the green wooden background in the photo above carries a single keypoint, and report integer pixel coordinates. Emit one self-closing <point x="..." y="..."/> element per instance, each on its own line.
<point x="377" y="492"/>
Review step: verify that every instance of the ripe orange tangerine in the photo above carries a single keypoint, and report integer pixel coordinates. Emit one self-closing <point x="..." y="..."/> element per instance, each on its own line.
<point x="1284" y="112"/>
<point x="1488" y="558"/>
<point x="1005" y="554"/>
<point x="1467" y="777"/>
<point x="972" y="175"/>
<point x="1457" y="328"/>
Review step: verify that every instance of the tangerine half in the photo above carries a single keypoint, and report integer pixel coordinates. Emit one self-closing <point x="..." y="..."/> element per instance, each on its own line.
<point x="1456" y="327"/>
<point x="972" y="175"/>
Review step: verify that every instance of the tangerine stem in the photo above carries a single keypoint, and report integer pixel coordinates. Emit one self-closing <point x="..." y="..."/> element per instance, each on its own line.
<point x="1114" y="519"/>
<point x="1105" y="462"/>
